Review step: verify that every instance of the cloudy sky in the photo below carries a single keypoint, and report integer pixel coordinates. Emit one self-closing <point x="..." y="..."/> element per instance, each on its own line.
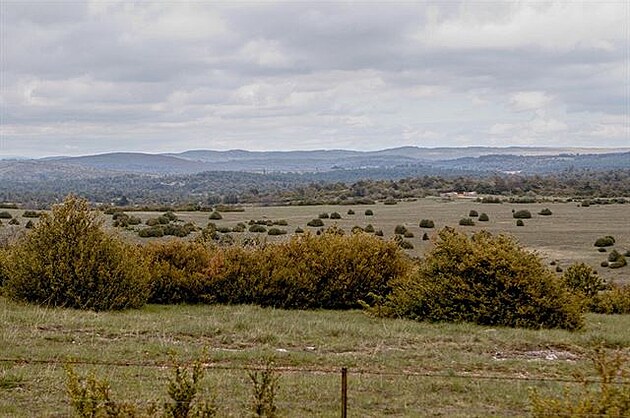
<point x="82" y="77"/>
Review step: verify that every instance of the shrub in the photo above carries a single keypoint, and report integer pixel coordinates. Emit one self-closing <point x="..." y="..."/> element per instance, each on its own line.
<point x="335" y="215"/>
<point x="522" y="214"/>
<point x="5" y="215"/>
<point x="315" y="223"/>
<point x="177" y="271"/>
<point x="280" y="222"/>
<point x="611" y="397"/>
<point x="257" y="228"/>
<point x="473" y="213"/>
<point x="484" y="217"/>
<point x="427" y="223"/>
<point x="390" y="201"/>
<point x="378" y="233"/>
<point x="14" y="221"/>
<point x="602" y="250"/>
<point x="276" y="231"/>
<point x="170" y="215"/>
<point x="491" y="199"/>
<point x="31" y="214"/>
<point x="323" y="215"/>
<point x="520" y="222"/>
<point x="29" y="225"/>
<point x="155" y="231"/>
<point x="604" y="264"/>
<point x="369" y="212"/>
<point x="408" y="234"/>
<point x="466" y="222"/>
<point x="67" y="260"/>
<point x="614" y="300"/>
<point x="152" y="222"/>
<point x="400" y="229"/>
<point x="545" y="212"/>
<point x="582" y="279"/>
<point x="425" y="237"/>
<point x="329" y="271"/>
<point x="179" y="230"/>
<point x="350" y="212"/>
<point x="357" y="229"/>
<point x="215" y="216"/>
<point x="240" y="227"/>
<point x="369" y="229"/>
<point x="223" y="229"/>
<point x="485" y="279"/>
<point x="606" y="241"/>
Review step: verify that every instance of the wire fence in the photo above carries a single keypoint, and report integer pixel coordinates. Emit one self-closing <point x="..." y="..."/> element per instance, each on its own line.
<point x="351" y="391"/>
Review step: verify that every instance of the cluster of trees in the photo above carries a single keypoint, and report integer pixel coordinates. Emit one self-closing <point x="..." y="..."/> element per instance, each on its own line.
<point x="203" y="190"/>
<point x="68" y="260"/>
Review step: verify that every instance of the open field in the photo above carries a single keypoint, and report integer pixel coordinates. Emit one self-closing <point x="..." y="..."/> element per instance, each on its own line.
<point x="566" y="236"/>
<point x="397" y="367"/>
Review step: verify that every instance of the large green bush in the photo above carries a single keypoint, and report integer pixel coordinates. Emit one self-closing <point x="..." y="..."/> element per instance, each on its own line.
<point x="486" y="279"/>
<point x="329" y="271"/>
<point x="522" y="214"/>
<point x="68" y="260"/>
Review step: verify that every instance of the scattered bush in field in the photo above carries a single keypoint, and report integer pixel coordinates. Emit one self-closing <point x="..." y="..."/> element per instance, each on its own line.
<point x="240" y="227"/>
<point x="582" y="279"/>
<point x="31" y="214"/>
<point x="427" y="223"/>
<point x="183" y="389"/>
<point x="350" y="212"/>
<point x="405" y="245"/>
<point x="323" y="215"/>
<point x="614" y="255"/>
<point x="14" y="221"/>
<point x="257" y="228"/>
<point x="215" y="216"/>
<point x="616" y="260"/>
<point x="280" y="222"/>
<point x="328" y="271"/>
<point x="299" y="230"/>
<point x="604" y="263"/>
<point x="545" y="212"/>
<point x="408" y="234"/>
<point x="5" y="215"/>
<point x="467" y="279"/>
<point x="466" y="222"/>
<point x="369" y="212"/>
<point x="627" y="253"/>
<point x="369" y="229"/>
<point x="315" y="223"/>
<point x="473" y="213"/>
<point x="29" y="225"/>
<point x="585" y="203"/>
<point x="520" y="222"/>
<point x="611" y="397"/>
<point x="559" y="269"/>
<point x="484" y="217"/>
<point x="378" y="233"/>
<point x="425" y="237"/>
<point x="152" y="222"/>
<point x="335" y="215"/>
<point x="276" y="231"/>
<point x="123" y="220"/>
<point x="170" y="215"/>
<point x="606" y="241"/>
<point x="400" y="229"/>
<point x="390" y="201"/>
<point x="602" y="250"/>
<point x="224" y="229"/>
<point x="522" y="214"/>
<point x="179" y="230"/>
<point x="155" y="231"/>
<point x="68" y="260"/>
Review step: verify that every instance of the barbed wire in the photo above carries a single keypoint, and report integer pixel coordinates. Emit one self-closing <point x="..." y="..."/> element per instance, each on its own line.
<point x="313" y="370"/>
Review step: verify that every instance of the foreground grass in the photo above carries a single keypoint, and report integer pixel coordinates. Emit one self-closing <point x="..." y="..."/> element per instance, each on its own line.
<point x="397" y="367"/>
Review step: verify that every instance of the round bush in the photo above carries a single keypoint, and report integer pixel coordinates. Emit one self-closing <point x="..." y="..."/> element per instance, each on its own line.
<point x="215" y="216"/>
<point x="522" y="214"/>
<point x="378" y="233"/>
<point x="323" y="215"/>
<point x="276" y="231"/>
<point x="369" y="228"/>
<point x="315" y="223"/>
<point x="29" y="225"/>
<point x="484" y="217"/>
<point x="390" y="201"/>
<point x="427" y="223"/>
<point x="335" y="215"/>
<point x="400" y="229"/>
<point x="545" y="212"/>
<point x="257" y="229"/>
<point x="520" y="222"/>
<point x="425" y="237"/>
<point x="369" y="212"/>
<point x="466" y="222"/>
<point x="299" y="230"/>
<point x="155" y="231"/>
<point x="602" y="250"/>
<point x="5" y="215"/>
<point x="350" y="212"/>
<point x="408" y="234"/>
<point x="606" y="241"/>
<point x="14" y="221"/>
<point x="68" y="260"/>
<point x="473" y="213"/>
<point x="485" y="279"/>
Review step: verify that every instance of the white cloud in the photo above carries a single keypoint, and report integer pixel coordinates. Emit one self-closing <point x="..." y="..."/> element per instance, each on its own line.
<point x="529" y="100"/>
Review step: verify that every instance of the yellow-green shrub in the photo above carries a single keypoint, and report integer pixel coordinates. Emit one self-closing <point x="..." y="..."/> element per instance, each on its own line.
<point x="68" y="260"/>
<point x="486" y="279"/>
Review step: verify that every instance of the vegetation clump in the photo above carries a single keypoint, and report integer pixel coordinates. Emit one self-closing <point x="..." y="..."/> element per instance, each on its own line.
<point x="484" y="217"/>
<point x="545" y="212"/>
<point x="335" y="215"/>
<point x="616" y="260"/>
<point x="369" y="212"/>
<point x="276" y="231"/>
<point x="5" y="215"/>
<point x="31" y="214"/>
<point x="466" y="222"/>
<point x="485" y="279"/>
<point x="473" y="213"/>
<point x="400" y="229"/>
<point x="317" y="222"/>
<point x="427" y="223"/>
<point x="519" y="222"/>
<point x="68" y="260"/>
<point x="607" y="241"/>
<point x="522" y="214"/>
<point x="215" y="216"/>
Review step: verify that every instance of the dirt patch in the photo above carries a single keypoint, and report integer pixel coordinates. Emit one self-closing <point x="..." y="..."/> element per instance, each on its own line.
<point x="536" y="355"/>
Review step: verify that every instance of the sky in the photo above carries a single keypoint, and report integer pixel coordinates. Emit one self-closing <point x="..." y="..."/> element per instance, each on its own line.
<point x="86" y="77"/>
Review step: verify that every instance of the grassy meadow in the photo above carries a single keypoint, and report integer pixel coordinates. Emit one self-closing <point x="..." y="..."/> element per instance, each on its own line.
<point x="396" y="367"/>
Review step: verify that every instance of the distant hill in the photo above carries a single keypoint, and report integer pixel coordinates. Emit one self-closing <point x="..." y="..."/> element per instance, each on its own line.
<point x="467" y="158"/>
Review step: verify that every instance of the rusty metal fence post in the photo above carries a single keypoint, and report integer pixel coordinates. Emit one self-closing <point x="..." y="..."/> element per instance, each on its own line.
<point x="344" y="392"/>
